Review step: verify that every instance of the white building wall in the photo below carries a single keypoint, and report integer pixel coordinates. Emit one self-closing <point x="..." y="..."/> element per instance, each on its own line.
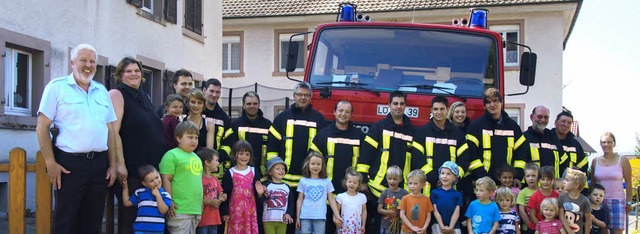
<point x="116" y="30"/>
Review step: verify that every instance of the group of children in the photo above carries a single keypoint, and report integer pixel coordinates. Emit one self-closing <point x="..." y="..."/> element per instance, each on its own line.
<point x="187" y="190"/>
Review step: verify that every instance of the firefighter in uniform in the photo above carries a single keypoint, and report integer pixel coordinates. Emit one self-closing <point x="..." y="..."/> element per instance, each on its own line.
<point x="292" y="131"/>
<point x="252" y="127"/>
<point x="437" y="142"/>
<point x="576" y="156"/>
<point x="212" y="89"/>
<point x="545" y="148"/>
<point x="387" y="143"/>
<point x="340" y="145"/>
<point x="495" y="140"/>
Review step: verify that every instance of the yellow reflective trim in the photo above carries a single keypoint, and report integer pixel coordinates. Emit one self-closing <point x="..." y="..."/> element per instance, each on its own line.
<point x="486" y="155"/>
<point x="573" y="158"/>
<point x="462" y="148"/>
<point x="375" y="191"/>
<point x="583" y="163"/>
<point x="331" y="148"/>
<point x="356" y="155"/>
<point x="563" y="158"/>
<point x="519" y="142"/>
<point x="407" y="163"/>
<point x="293" y="184"/>
<point x="292" y="177"/>
<point x="473" y="139"/>
<point x="312" y="133"/>
<point x="519" y="164"/>
<point x="228" y="133"/>
<point x="271" y="155"/>
<point x="288" y="143"/>
<point x="510" y="149"/>
<point x="475" y="164"/>
<point x="418" y="146"/>
<point x="535" y="154"/>
<point x="314" y="148"/>
<point x="362" y="168"/>
<point x="219" y="136"/>
<point x="226" y="148"/>
<point x="426" y="168"/>
<point x="556" y="164"/>
<point x="428" y="149"/>
<point x="460" y="171"/>
<point x="486" y="141"/>
<point x="330" y="167"/>
<point x="452" y="153"/>
<point x="242" y="135"/>
<point x="275" y="133"/>
<point x="382" y="170"/>
<point x="371" y="142"/>
<point x="427" y="189"/>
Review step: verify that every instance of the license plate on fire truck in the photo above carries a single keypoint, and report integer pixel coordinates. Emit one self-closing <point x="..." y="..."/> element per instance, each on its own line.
<point x="410" y="111"/>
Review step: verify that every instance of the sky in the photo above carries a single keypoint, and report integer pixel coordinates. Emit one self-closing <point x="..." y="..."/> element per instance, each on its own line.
<point x="601" y="73"/>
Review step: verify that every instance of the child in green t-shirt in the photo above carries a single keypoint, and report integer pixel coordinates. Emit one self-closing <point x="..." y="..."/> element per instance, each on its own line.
<point x="181" y="171"/>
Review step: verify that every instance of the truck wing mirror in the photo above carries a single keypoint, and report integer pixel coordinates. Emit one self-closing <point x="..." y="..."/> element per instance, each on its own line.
<point x="292" y="56"/>
<point x="528" y="68"/>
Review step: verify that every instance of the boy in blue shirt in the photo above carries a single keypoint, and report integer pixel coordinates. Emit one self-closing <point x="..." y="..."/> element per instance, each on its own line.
<point x="483" y="214"/>
<point x="446" y="200"/>
<point x="152" y="201"/>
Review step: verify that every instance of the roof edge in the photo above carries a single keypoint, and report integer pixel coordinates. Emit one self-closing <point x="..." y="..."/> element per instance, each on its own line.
<point x="573" y="24"/>
<point x="428" y="9"/>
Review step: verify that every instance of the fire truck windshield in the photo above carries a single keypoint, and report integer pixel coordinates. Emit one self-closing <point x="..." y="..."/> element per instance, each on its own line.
<point x="413" y="60"/>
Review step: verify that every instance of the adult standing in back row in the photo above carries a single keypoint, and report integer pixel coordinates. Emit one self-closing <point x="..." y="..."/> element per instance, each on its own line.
<point x="138" y="134"/>
<point x="387" y="143"/>
<point x="182" y="84"/>
<point x="609" y="170"/>
<point x="84" y="151"/>
<point x="292" y="131"/>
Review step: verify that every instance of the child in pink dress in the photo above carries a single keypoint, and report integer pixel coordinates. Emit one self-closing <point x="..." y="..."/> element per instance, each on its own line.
<point x="244" y="188"/>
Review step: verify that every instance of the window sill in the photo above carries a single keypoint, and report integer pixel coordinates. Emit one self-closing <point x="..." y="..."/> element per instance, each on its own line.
<point x="17" y="122"/>
<point x="279" y="73"/>
<point x="193" y="35"/>
<point x="150" y="16"/>
<point x="512" y="68"/>
<point x="233" y="75"/>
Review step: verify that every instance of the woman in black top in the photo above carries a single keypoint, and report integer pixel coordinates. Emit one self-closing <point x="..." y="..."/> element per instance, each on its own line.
<point x="138" y="135"/>
<point x="195" y="104"/>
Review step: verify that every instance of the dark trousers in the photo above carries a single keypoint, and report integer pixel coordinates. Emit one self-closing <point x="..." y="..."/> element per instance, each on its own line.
<point x="373" y="217"/>
<point x="79" y="203"/>
<point x="126" y="215"/>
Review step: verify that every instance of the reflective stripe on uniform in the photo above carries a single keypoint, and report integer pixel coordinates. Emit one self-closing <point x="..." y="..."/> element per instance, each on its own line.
<point x="371" y="141"/>
<point x="275" y="133"/>
<point x="473" y="139"/>
<point x="362" y="168"/>
<point x="486" y="146"/>
<point x="510" y="148"/>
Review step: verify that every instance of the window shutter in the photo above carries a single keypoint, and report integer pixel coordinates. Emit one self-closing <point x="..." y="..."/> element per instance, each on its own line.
<point x="197" y="17"/>
<point x="171" y="11"/>
<point x="168" y="83"/>
<point x="188" y="14"/>
<point x="137" y="3"/>
<point x="110" y="81"/>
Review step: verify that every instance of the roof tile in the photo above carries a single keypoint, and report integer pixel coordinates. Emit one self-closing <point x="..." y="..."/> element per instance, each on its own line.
<point x="265" y="8"/>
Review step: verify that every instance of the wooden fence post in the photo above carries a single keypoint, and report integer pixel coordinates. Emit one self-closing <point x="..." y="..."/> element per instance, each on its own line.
<point x="17" y="190"/>
<point x="43" y="197"/>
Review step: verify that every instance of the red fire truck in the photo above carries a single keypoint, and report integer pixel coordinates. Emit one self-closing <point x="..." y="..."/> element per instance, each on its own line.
<point x="363" y="62"/>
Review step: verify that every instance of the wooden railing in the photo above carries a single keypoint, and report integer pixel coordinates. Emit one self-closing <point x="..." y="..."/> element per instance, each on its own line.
<point x="18" y="169"/>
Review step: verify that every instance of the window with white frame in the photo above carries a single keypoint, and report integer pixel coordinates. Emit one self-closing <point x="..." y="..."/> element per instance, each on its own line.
<point x="515" y="112"/>
<point x="231" y="54"/>
<point x="147" y="5"/>
<point x="511" y="51"/>
<point x="284" y="49"/>
<point x="18" y="76"/>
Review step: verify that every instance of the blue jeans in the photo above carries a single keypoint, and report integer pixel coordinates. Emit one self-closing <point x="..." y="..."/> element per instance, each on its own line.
<point x="213" y="229"/>
<point x="312" y="226"/>
<point x="384" y="230"/>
